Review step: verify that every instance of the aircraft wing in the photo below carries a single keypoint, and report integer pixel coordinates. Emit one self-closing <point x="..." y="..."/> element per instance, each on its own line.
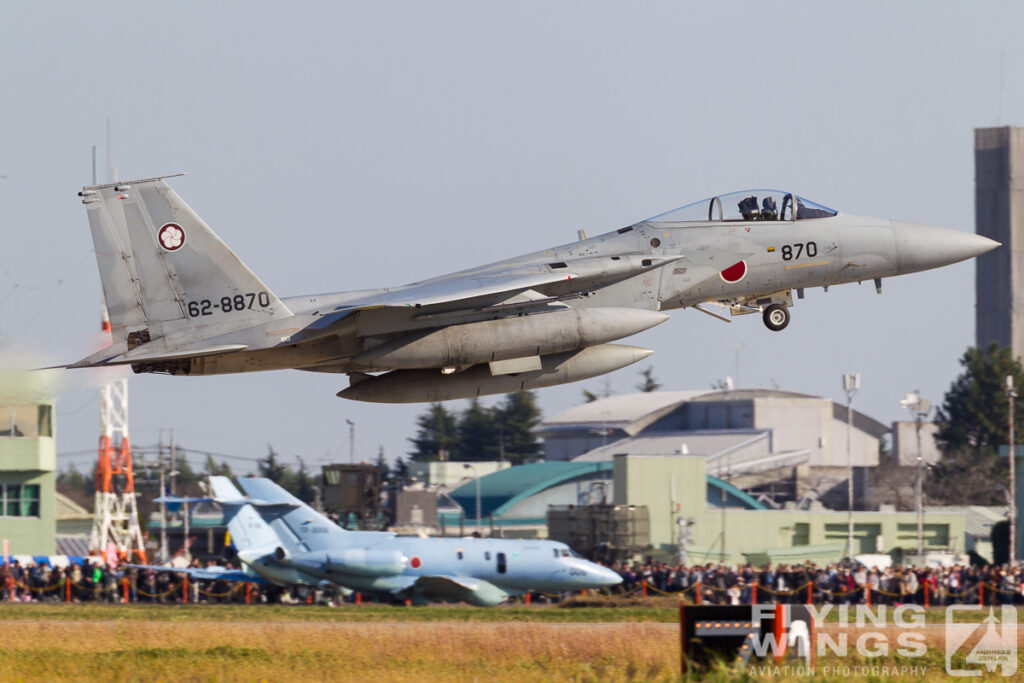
<point x="205" y="573"/>
<point x="473" y="287"/>
<point x="457" y="588"/>
<point x="490" y="289"/>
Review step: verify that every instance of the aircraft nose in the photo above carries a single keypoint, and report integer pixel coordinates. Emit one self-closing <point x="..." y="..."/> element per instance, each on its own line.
<point x="920" y="247"/>
<point x="609" y="577"/>
<point x="603" y="576"/>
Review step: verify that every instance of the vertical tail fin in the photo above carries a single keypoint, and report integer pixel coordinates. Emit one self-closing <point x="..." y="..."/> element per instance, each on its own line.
<point x="248" y="530"/>
<point x="304" y="524"/>
<point x="164" y="271"/>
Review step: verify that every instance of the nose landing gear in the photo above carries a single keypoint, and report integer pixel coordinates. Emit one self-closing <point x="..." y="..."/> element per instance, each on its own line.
<point x="776" y="317"/>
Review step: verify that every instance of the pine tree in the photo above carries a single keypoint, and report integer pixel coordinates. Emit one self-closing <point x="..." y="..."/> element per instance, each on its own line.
<point x="216" y="469"/>
<point x="974" y="413"/>
<point x="270" y="468"/>
<point x="436" y="435"/>
<point x="518" y="414"/>
<point x="973" y="422"/>
<point x="479" y="433"/>
<point x="304" y="483"/>
<point x="648" y="384"/>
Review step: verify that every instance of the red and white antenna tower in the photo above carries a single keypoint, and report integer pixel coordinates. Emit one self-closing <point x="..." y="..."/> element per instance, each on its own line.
<point x="116" y="515"/>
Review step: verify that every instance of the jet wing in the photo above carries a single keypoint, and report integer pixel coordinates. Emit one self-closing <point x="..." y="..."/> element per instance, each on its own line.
<point x="455" y="589"/>
<point x="473" y="287"/>
<point x="205" y="573"/>
<point x="505" y="286"/>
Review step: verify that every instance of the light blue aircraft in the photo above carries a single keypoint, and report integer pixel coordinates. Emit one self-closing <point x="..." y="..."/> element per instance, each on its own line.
<point x="284" y="541"/>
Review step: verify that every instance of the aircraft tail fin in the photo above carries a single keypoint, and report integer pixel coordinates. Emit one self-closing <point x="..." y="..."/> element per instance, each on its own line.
<point x="248" y="530"/>
<point x="224" y="491"/>
<point x="301" y="523"/>
<point x="164" y="271"/>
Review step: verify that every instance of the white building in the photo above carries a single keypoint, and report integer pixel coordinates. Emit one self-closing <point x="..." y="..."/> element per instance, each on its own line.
<point x="781" y="445"/>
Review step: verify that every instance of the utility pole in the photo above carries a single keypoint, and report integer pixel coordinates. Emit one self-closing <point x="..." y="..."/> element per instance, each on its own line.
<point x="725" y="557"/>
<point x="919" y="409"/>
<point x="351" y="442"/>
<point x="174" y="463"/>
<point x="163" y="516"/>
<point x="476" y="475"/>
<point x="1011" y="393"/>
<point x="851" y="383"/>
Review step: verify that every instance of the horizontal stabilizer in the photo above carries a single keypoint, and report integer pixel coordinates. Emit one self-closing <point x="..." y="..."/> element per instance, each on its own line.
<point x="128" y="183"/>
<point x="205" y="574"/>
<point x="143" y="354"/>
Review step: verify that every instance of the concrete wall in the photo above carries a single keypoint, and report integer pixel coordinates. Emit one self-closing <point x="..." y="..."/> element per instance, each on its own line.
<point x="904" y="443"/>
<point x="30" y="460"/>
<point x="999" y="215"/>
<point x="451" y="473"/>
<point x="819" y="535"/>
<point x="567" y="444"/>
<point x="810" y="424"/>
<point x="651" y="480"/>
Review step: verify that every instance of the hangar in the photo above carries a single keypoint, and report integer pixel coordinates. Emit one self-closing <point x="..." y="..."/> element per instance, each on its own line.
<point x="735" y="476"/>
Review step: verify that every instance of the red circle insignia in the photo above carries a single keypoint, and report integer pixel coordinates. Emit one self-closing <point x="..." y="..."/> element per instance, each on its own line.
<point x="735" y="272"/>
<point x="415" y="562"/>
<point x="171" y="237"/>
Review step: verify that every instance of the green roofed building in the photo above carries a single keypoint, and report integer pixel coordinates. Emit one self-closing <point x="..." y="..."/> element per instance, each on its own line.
<point x="514" y="501"/>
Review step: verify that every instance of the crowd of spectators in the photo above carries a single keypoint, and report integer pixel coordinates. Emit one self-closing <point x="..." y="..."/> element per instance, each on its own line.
<point x="832" y="583"/>
<point x="90" y="581"/>
<point x="710" y="583"/>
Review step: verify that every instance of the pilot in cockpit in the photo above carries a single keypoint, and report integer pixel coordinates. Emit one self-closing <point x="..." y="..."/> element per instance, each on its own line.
<point x="748" y="208"/>
<point x="768" y="209"/>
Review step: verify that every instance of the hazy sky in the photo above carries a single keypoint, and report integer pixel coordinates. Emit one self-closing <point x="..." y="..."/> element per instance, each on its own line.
<point x="340" y="146"/>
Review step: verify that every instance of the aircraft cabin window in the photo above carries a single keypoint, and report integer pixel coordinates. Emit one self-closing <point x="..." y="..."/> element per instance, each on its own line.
<point x="556" y="552"/>
<point x="501" y="563"/>
<point x="487" y="556"/>
<point x="458" y="554"/>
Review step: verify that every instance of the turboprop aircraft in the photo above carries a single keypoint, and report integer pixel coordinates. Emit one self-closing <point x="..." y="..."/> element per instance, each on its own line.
<point x="284" y="541"/>
<point x="182" y="303"/>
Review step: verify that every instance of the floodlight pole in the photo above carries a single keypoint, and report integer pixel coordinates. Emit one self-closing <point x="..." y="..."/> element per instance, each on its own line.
<point x="351" y="442"/>
<point x="851" y="383"/>
<point x="1011" y="393"/>
<point x="919" y="488"/>
<point x="919" y="408"/>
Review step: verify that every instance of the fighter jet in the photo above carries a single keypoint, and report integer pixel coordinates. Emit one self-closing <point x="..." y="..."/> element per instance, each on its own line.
<point x="182" y="303"/>
<point x="282" y="540"/>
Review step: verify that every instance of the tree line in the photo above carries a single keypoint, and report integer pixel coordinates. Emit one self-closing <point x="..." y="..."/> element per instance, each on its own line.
<point x="972" y="422"/>
<point x="502" y="432"/>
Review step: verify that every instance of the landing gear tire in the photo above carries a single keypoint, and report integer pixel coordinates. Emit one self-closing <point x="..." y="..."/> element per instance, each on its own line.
<point x="776" y="317"/>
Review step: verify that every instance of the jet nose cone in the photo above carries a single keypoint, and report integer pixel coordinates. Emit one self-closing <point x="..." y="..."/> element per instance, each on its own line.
<point x="608" y="577"/>
<point x="920" y="247"/>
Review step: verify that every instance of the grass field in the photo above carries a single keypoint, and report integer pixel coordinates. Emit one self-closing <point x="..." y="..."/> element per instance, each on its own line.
<point x="45" y="642"/>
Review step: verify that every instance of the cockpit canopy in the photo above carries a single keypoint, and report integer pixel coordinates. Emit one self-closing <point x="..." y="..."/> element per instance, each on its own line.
<point x="748" y="205"/>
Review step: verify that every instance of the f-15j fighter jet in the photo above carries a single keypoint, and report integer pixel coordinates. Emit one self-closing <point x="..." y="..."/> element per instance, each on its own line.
<point x="182" y="303"/>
